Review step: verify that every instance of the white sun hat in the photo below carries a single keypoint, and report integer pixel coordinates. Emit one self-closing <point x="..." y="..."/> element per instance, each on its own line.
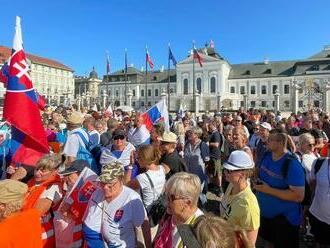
<point x="239" y="160"/>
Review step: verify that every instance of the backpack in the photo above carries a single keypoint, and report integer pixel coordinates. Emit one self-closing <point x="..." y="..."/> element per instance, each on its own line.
<point x="308" y="193"/>
<point x="85" y="153"/>
<point x="158" y="207"/>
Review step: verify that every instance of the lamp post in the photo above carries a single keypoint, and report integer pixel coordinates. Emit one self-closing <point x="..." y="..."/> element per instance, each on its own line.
<point x="104" y="98"/>
<point x="277" y="101"/>
<point x="295" y="96"/>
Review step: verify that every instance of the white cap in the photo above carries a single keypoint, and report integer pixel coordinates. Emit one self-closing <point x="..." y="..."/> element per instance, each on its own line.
<point x="239" y="160"/>
<point x="266" y="125"/>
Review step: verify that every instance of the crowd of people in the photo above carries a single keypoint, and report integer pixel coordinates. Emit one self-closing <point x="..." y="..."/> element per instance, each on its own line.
<point x="270" y="174"/>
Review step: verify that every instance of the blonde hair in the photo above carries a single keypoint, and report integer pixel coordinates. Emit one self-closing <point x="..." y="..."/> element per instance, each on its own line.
<point x="305" y="137"/>
<point x="179" y="128"/>
<point x="240" y="131"/>
<point x="49" y="162"/>
<point x="149" y="154"/>
<point x="11" y="208"/>
<point x="185" y="185"/>
<point x="213" y="231"/>
<point x="197" y="130"/>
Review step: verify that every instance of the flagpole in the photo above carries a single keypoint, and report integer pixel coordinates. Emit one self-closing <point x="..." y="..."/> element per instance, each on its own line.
<point x="194" y="95"/>
<point x="125" y="77"/>
<point x="146" y="96"/>
<point x="169" y="79"/>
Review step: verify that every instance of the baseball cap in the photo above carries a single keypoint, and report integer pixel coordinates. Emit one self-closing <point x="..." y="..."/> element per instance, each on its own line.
<point x="239" y="160"/>
<point x="12" y="191"/>
<point x="111" y="171"/>
<point x="266" y="125"/>
<point x="169" y="137"/>
<point x="76" y="166"/>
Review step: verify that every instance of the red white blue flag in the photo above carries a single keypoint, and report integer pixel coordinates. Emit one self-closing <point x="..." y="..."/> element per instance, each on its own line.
<point x="77" y="199"/>
<point x="197" y="56"/>
<point x="155" y="114"/>
<point x="148" y="59"/>
<point x="4" y="74"/>
<point x="29" y="142"/>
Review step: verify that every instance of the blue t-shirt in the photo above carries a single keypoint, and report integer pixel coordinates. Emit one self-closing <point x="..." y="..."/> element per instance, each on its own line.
<point x="271" y="173"/>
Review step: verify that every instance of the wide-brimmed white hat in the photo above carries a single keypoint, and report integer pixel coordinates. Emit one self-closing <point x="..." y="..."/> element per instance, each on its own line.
<point x="169" y="137"/>
<point x="239" y="160"/>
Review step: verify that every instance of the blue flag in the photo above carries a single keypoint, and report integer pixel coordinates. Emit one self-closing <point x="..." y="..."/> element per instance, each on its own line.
<point x="171" y="56"/>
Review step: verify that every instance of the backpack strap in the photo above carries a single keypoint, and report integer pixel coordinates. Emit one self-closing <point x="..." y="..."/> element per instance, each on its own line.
<point x="82" y="137"/>
<point x="318" y="165"/>
<point x="286" y="164"/>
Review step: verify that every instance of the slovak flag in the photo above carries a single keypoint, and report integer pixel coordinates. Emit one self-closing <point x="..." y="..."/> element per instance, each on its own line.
<point x="29" y="142"/>
<point x="77" y="198"/>
<point x="198" y="57"/>
<point x="4" y="74"/>
<point x="156" y="114"/>
<point x="148" y="59"/>
<point x="109" y="110"/>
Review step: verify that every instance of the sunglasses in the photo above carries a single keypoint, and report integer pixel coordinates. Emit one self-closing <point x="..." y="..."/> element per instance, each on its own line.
<point x="119" y="137"/>
<point x="311" y="145"/>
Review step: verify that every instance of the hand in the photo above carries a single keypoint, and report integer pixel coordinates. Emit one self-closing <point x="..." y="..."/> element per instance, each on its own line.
<point x="262" y="187"/>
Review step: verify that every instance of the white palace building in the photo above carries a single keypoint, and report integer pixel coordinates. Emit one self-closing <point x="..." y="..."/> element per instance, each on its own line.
<point x="289" y="86"/>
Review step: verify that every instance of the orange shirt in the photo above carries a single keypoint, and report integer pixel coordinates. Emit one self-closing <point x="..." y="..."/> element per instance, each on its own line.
<point x="22" y="229"/>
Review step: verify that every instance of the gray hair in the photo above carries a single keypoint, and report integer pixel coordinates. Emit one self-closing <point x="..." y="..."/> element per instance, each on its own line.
<point x="49" y="162"/>
<point x="185" y="185"/>
<point x="305" y="137"/>
<point x="197" y="130"/>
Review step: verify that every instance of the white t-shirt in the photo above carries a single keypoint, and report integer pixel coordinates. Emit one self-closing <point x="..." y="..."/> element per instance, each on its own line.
<point x="150" y="195"/>
<point x="307" y="161"/>
<point x="320" y="207"/>
<point x="116" y="220"/>
<point x="73" y="141"/>
<point x="53" y="193"/>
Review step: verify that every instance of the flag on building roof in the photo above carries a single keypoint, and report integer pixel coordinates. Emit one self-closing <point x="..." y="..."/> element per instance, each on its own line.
<point x="126" y="68"/>
<point x="171" y="56"/>
<point x="108" y="64"/>
<point x="157" y="113"/>
<point x="211" y="44"/>
<point x="197" y="57"/>
<point x="148" y="59"/>
<point x="29" y="142"/>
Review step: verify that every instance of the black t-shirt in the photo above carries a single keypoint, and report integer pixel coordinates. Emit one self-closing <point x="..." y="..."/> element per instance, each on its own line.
<point x="174" y="162"/>
<point x="215" y="152"/>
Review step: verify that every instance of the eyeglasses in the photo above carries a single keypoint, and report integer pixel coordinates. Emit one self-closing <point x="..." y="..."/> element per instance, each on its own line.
<point x="311" y="144"/>
<point x="172" y="198"/>
<point x="119" y="137"/>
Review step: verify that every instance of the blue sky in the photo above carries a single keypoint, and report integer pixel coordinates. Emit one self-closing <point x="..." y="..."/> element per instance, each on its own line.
<point x="77" y="33"/>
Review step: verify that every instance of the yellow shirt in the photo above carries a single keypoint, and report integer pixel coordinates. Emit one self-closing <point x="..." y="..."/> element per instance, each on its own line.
<point x="241" y="209"/>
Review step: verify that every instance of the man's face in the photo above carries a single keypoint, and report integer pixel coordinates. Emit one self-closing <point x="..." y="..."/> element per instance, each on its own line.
<point x="264" y="133"/>
<point x="71" y="179"/>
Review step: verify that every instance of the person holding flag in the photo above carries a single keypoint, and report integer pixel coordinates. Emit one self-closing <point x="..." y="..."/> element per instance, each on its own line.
<point x="80" y="181"/>
<point x="29" y="142"/>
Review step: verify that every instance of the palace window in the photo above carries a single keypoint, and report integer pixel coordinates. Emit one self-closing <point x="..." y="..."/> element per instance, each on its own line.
<point x="263" y="89"/>
<point x="185" y="86"/>
<point x="142" y="104"/>
<point x="253" y="104"/>
<point x="274" y="89"/>
<point x="142" y="92"/>
<point x="199" y="85"/>
<point x="212" y="85"/>
<point x="286" y="89"/>
<point x="133" y="92"/>
<point x="242" y="90"/>
<point x="149" y="92"/>
<point x="232" y="89"/>
<point x="156" y="92"/>
<point x="263" y="103"/>
<point x="253" y="90"/>
<point x="287" y="104"/>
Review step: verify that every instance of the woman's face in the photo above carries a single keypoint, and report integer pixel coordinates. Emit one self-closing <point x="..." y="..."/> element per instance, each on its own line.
<point x="119" y="142"/>
<point x="238" y="140"/>
<point x="71" y="179"/>
<point x="229" y="136"/>
<point x="233" y="176"/>
<point x="99" y="128"/>
<point x="175" y="205"/>
<point x="42" y="175"/>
